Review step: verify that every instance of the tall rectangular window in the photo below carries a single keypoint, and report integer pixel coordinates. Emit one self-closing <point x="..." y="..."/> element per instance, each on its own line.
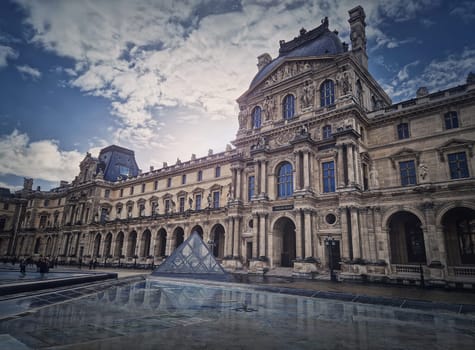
<point x="131" y="190"/>
<point x="328" y="176"/>
<point x="121" y="192"/>
<point x="327" y="132"/>
<point x="200" y="176"/>
<point x="216" y="199"/>
<point x="217" y="171"/>
<point x="251" y="187"/>
<point x="403" y="131"/>
<point x="155" y="185"/>
<point x="143" y="188"/>
<point x="183" y="179"/>
<point x="167" y="206"/>
<point x="408" y="173"/>
<point x="59" y="201"/>
<point x="198" y="202"/>
<point x="6" y="206"/>
<point x="46" y="203"/>
<point x="451" y="120"/>
<point x="182" y="204"/>
<point x="169" y="182"/>
<point x="107" y="193"/>
<point x="458" y="165"/>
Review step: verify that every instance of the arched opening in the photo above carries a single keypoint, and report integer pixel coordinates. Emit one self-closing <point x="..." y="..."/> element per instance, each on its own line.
<point x="108" y="245"/>
<point x="97" y="246"/>
<point x="37" y="246"/>
<point x="132" y="244"/>
<point x="285" y="182"/>
<point x="217" y="236"/>
<point x="284" y="242"/>
<point x="146" y="240"/>
<point x="198" y="229"/>
<point x="459" y="232"/>
<point x="161" y="243"/>
<point x="119" y="245"/>
<point x="406" y="239"/>
<point x="179" y="235"/>
<point x="49" y="246"/>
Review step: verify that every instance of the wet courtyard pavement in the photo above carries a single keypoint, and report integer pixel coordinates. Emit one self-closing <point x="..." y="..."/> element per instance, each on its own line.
<point x="158" y="313"/>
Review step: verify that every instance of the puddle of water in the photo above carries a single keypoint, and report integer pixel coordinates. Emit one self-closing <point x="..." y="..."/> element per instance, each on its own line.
<point x="174" y="315"/>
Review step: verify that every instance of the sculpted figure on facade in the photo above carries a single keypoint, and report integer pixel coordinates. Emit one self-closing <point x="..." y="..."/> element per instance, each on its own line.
<point x="345" y="82"/>
<point x="242" y="117"/>
<point x="373" y="177"/>
<point x="269" y="107"/>
<point x="308" y="93"/>
<point x="423" y="171"/>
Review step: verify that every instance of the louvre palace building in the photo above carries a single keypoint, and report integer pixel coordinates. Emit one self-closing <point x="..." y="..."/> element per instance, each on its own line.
<point x="325" y="173"/>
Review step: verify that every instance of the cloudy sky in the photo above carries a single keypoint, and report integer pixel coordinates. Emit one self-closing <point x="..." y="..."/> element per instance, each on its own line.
<point x="161" y="77"/>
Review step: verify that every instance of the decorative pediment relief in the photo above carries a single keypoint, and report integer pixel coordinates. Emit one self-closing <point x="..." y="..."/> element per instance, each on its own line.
<point x="141" y="201"/>
<point x="290" y="69"/>
<point x="216" y="187"/>
<point x="153" y="199"/>
<point x="181" y="194"/>
<point x="198" y="190"/>
<point x="456" y="145"/>
<point x="285" y="137"/>
<point x="404" y="153"/>
<point x="167" y="196"/>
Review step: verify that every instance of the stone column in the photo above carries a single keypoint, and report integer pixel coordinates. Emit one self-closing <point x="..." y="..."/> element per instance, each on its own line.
<point x="430" y="240"/>
<point x="344" y="233"/>
<point x="298" y="234"/>
<point x="355" y="232"/>
<point x="298" y="171"/>
<point x="263" y="187"/>
<point x="238" y="184"/>
<point x="306" y="170"/>
<point x="262" y="234"/>
<point x="237" y="230"/>
<point x="255" y="235"/>
<point x="257" y="179"/>
<point x="351" y="164"/>
<point x="228" y="236"/>
<point x="308" y="233"/>
<point x="340" y="167"/>
<point x="169" y="243"/>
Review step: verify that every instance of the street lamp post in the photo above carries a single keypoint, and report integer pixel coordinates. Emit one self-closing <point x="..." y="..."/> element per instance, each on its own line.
<point x="330" y="243"/>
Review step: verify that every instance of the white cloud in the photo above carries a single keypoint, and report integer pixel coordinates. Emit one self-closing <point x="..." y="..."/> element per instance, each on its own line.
<point x="6" y="53"/>
<point x="464" y="10"/>
<point x="437" y="75"/>
<point x="163" y="62"/>
<point x="40" y="159"/>
<point x="29" y="72"/>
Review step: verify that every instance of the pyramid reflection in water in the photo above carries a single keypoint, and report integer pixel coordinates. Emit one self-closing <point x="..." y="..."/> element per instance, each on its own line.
<point x="191" y="259"/>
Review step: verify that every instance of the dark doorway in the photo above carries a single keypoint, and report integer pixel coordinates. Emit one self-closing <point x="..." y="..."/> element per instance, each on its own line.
<point x="285" y="228"/>
<point x="248" y="252"/>
<point x="406" y="239"/>
<point x="334" y="256"/>
<point x="459" y="230"/>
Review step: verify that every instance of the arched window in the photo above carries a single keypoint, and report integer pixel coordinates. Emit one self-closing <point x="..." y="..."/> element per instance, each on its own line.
<point x="327" y="131"/>
<point x="327" y="93"/>
<point x="256" y="117"/>
<point x="288" y="107"/>
<point x="285" y="180"/>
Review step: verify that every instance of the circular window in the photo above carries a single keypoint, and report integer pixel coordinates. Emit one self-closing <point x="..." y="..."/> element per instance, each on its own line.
<point x="251" y="223"/>
<point x="330" y="219"/>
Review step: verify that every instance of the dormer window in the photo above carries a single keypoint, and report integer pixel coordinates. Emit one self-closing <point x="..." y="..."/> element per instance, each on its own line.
<point x="451" y="120"/>
<point x="256" y="117"/>
<point x="327" y="132"/>
<point x="288" y="107"/>
<point x="327" y="93"/>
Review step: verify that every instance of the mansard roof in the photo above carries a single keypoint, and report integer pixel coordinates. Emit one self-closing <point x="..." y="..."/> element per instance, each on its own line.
<point x="317" y="42"/>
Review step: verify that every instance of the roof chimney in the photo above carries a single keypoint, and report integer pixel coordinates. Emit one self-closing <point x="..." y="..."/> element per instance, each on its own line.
<point x="358" y="34"/>
<point x="263" y="60"/>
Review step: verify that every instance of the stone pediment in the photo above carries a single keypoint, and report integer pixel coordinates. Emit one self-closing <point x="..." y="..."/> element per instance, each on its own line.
<point x="153" y="199"/>
<point x="198" y="190"/>
<point x="454" y="145"/>
<point x="404" y="153"/>
<point x="181" y="194"/>
<point x="216" y="187"/>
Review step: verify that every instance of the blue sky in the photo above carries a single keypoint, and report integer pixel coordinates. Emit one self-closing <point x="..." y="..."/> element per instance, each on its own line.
<point x="161" y="77"/>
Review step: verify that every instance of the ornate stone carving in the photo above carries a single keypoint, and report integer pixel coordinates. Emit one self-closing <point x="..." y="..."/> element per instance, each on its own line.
<point x="423" y="171"/>
<point x="242" y="117"/>
<point x="289" y="70"/>
<point x="373" y="177"/>
<point x="307" y="94"/>
<point x="284" y="137"/>
<point x="269" y="107"/>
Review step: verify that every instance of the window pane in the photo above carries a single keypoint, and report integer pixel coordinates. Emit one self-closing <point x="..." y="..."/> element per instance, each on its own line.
<point x="327" y="93"/>
<point x="256" y="118"/>
<point x="285" y="181"/>
<point x="408" y="173"/>
<point x="328" y="176"/>
<point x="458" y="165"/>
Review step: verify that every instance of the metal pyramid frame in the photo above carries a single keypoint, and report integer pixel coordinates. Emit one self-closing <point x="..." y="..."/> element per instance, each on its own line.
<point x="191" y="259"/>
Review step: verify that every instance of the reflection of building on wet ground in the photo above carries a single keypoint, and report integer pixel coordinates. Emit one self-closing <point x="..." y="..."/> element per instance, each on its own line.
<point x="325" y="172"/>
<point x="165" y="314"/>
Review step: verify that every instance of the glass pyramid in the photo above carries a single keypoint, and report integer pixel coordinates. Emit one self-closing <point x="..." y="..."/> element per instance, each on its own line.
<point x="191" y="259"/>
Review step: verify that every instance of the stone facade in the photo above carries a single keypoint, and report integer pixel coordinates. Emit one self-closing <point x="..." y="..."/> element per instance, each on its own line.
<point x="325" y="173"/>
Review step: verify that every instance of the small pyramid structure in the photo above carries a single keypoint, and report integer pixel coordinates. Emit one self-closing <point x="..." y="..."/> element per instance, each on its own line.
<point x="191" y="259"/>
